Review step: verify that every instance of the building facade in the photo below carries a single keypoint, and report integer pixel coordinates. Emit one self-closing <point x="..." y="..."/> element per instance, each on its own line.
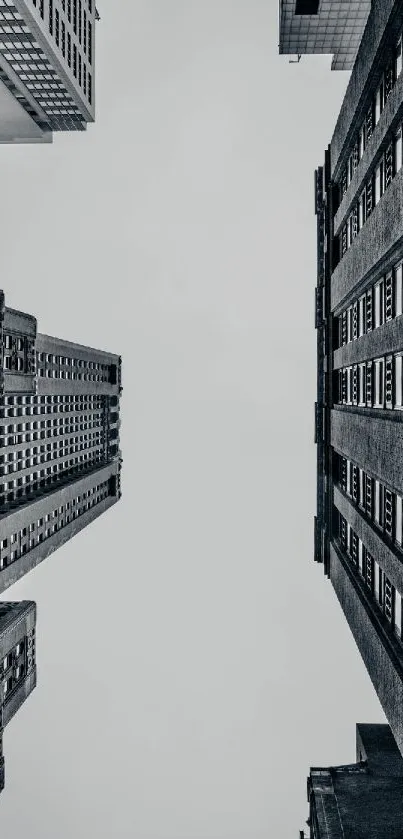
<point x="362" y="800"/>
<point x="60" y="460"/>
<point x="330" y="27"/>
<point x="359" y="305"/>
<point x="47" y="77"/>
<point x="17" y="663"/>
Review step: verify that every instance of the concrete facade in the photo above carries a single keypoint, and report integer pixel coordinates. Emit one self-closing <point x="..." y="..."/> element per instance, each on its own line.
<point x="60" y="459"/>
<point x="17" y="663"/>
<point x="362" y="800"/>
<point x="359" y="409"/>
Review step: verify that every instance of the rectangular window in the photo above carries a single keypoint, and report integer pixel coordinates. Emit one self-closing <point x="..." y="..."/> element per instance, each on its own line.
<point x="369" y="384"/>
<point x="388" y="598"/>
<point x="361" y="383"/>
<point x="349" y="324"/>
<point x="379" y="301"/>
<point x="89" y="45"/>
<point x="75" y="17"/>
<point x="51" y="17"/>
<point x="398" y="150"/>
<point x="361" y="315"/>
<point x="362" y="203"/>
<point x="389" y="381"/>
<point x="398" y="519"/>
<point x="379" y="176"/>
<point x="398" y="291"/>
<point x="355" y="385"/>
<point x="389" y="296"/>
<point x="369" y="310"/>
<point x="349" y="385"/>
<point x="368" y="496"/>
<point x="369" y="191"/>
<point x="398" y="615"/>
<point x="348" y="473"/>
<point x="361" y="142"/>
<point x="389" y="513"/>
<point x="379" y="381"/>
<point x="398" y="58"/>
<point x="379" y="101"/>
<point x="361" y="485"/>
<point x="378" y="583"/>
<point x="361" y="557"/>
<point x="398" y="381"/>
<point x="378" y="503"/>
<point x="69" y="49"/>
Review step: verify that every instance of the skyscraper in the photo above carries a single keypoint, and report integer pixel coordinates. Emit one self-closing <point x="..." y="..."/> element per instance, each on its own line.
<point x="59" y="441"/>
<point x="359" y="305"/>
<point x="361" y="800"/>
<point x="327" y="27"/>
<point x="17" y="662"/>
<point x="47" y="52"/>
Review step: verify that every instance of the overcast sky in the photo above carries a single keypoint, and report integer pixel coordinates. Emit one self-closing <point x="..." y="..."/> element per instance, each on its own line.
<point x="193" y="661"/>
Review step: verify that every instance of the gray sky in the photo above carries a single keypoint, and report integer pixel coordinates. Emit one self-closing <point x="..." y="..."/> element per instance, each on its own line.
<point x="193" y="661"/>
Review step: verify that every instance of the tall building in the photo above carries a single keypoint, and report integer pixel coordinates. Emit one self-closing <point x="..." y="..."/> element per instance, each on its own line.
<point x="362" y="800"/>
<point x="59" y="441"/>
<point x="17" y="662"/>
<point x="359" y="305"/>
<point x="47" y="54"/>
<point x="330" y="27"/>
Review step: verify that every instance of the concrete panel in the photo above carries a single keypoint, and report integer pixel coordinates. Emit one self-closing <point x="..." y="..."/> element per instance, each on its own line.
<point x="387" y="338"/>
<point x="375" y="443"/>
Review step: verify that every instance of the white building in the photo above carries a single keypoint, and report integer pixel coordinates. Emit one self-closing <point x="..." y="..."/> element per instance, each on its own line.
<point x="47" y="52"/>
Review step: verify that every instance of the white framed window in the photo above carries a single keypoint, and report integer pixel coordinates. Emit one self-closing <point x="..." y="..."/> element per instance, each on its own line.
<point x="399" y="520"/>
<point x="348" y="471"/>
<point x="361" y="142"/>
<point x="379" y="300"/>
<point x="398" y="382"/>
<point x="398" y="58"/>
<point x="362" y="375"/>
<point x="398" y="149"/>
<point x="349" y="385"/>
<point x="398" y="290"/>
<point x="378" y="503"/>
<point x="378" y="181"/>
<point x="361" y="557"/>
<point x="361" y="315"/>
<point x="379" y="101"/>
<point x="361" y="484"/>
<point x="379" y="379"/>
<point x="398" y="614"/>
<point x="349" y="324"/>
<point x="361" y="210"/>
<point x="378" y="583"/>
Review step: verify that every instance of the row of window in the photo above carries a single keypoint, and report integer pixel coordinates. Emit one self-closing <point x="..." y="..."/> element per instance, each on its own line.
<point x="387" y="167"/>
<point x="389" y="78"/>
<point x="64" y="425"/>
<point x="380" y="505"/>
<point x="376" y="383"/>
<point x="17" y="663"/>
<point x="382" y="302"/>
<point x="36" y="483"/>
<point x="79" y="442"/>
<point x="24" y="540"/>
<point x="378" y="585"/>
<point x="18" y="406"/>
<point x="65" y="367"/>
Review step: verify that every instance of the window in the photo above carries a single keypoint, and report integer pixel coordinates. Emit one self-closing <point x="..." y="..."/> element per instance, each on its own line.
<point x="361" y="485"/>
<point x="349" y="324"/>
<point x="378" y="583"/>
<point x="398" y="58"/>
<point x="361" y="315"/>
<point x="379" y="181"/>
<point x="379" y="382"/>
<point x="362" y="203"/>
<point x="398" y="150"/>
<point x="379" y="303"/>
<point x="398" y="290"/>
<point x="378" y="503"/>
<point x="361" y="383"/>
<point x="398" y="381"/>
<point x="398" y="615"/>
<point x="379" y="101"/>
<point x="361" y="557"/>
<point x="398" y="520"/>
<point x="361" y="142"/>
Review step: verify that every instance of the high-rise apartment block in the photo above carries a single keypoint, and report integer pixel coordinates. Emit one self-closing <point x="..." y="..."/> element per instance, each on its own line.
<point x="330" y="27"/>
<point x="17" y="662"/>
<point x="59" y="441"/>
<point x="359" y="306"/>
<point x="47" y="52"/>
<point x="361" y="800"/>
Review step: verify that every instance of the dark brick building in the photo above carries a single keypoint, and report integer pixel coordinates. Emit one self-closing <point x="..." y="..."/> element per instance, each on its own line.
<point x="363" y="800"/>
<point x="359" y="305"/>
<point x="59" y="441"/>
<point x="17" y="662"/>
